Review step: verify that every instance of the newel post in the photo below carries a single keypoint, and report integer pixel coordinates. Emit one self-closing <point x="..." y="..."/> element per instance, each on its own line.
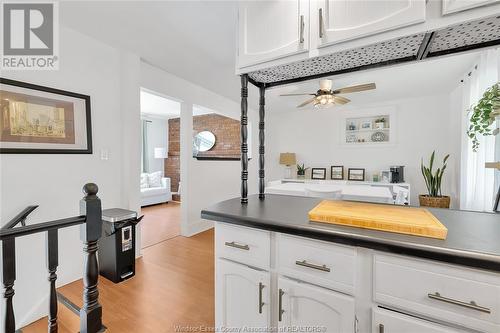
<point x="90" y="232"/>
<point x="244" y="139"/>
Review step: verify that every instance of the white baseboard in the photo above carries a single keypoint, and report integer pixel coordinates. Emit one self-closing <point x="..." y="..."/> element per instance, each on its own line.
<point x="198" y="226"/>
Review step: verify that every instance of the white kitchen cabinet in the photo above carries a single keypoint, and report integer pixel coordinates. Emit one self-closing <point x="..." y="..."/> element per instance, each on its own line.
<point x="272" y="29"/>
<point x="453" y="6"/>
<point x="242" y="296"/>
<point x="341" y="20"/>
<point x="307" y="306"/>
<point x="385" y="321"/>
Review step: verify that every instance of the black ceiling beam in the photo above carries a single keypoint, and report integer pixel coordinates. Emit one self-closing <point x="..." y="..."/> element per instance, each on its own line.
<point x="425" y="46"/>
<point x="464" y="48"/>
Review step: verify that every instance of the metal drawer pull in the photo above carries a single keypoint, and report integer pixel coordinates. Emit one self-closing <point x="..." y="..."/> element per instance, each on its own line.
<point x="471" y="305"/>
<point x="238" y="246"/>
<point x="302" y="25"/>
<point x="313" y="266"/>
<point x="321" y="24"/>
<point x="261" y="303"/>
<point x="280" y="305"/>
<point x="381" y="328"/>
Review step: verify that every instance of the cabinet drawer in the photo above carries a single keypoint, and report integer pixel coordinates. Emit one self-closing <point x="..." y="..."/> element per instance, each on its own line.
<point x="385" y="321"/>
<point x="317" y="262"/>
<point x="246" y="245"/>
<point x="462" y="296"/>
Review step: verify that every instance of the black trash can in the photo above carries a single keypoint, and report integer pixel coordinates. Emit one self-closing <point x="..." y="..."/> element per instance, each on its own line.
<point x="117" y="244"/>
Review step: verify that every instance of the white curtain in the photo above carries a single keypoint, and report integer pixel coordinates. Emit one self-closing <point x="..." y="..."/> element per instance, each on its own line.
<point x="477" y="184"/>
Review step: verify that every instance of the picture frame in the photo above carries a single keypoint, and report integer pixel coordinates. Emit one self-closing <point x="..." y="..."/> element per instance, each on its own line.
<point x="318" y="173"/>
<point x="366" y="125"/>
<point x="36" y="119"/>
<point x="337" y="172"/>
<point x="356" y="174"/>
<point x="385" y="176"/>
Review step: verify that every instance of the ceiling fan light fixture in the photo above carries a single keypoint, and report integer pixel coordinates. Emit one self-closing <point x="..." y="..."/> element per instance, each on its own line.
<point x="323" y="101"/>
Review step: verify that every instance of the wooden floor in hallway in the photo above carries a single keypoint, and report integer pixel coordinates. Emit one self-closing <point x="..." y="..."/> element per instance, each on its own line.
<point x="173" y="286"/>
<point x="160" y="222"/>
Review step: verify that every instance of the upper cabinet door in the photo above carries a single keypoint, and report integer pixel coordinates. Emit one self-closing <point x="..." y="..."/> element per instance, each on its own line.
<point x="304" y="305"/>
<point x="272" y="29"/>
<point x="342" y="20"/>
<point x="453" y="6"/>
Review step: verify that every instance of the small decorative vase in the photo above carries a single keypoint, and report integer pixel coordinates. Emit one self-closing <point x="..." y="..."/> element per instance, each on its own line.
<point x="437" y="202"/>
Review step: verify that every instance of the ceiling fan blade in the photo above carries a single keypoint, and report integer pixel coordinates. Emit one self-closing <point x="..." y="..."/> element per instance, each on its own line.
<point x="297" y="94"/>
<point x="340" y="100"/>
<point x="351" y="89"/>
<point x="309" y="101"/>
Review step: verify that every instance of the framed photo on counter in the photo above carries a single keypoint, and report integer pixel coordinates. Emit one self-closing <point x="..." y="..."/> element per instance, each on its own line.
<point x="356" y="174"/>
<point x="337" y="172"/>
<point x="318" y="173"/>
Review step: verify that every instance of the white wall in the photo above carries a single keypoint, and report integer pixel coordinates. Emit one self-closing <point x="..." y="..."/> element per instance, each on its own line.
<point x="157" y="138"/>
<point x="203" y="182"/>
<point x="55" y="181"/>
<point x="422" y="125"/>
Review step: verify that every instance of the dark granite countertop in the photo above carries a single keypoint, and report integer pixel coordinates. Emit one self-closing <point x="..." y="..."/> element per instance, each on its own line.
<point x="473" y="238"/>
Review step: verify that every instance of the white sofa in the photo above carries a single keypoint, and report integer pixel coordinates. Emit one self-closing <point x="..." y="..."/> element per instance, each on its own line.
<point x="156" y="195"/>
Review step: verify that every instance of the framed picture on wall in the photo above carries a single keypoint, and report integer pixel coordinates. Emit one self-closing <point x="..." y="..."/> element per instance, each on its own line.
<point x="356" y="174"/>
<point x="366" y="125"/>
<point x="41" y="120"/>
<point x="337" y="172"/>
<point x="318" y="173"/>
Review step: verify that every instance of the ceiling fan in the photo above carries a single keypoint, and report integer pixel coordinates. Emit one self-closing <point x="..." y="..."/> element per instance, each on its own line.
<point x="326" y="97"/>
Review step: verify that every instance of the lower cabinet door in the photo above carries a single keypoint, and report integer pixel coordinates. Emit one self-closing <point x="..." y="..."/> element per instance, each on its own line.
<point x="242" y="297"/>
<point x="385" y="321"/>
<point x="306" y="308"/>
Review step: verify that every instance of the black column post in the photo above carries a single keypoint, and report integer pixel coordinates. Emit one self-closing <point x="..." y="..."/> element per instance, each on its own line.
<point x="91" y="311"/>
<point x="262" y="113"/>
<point x="244" y="138"/>
<point x="8" y="278"/>
<point x="52" y="263"/>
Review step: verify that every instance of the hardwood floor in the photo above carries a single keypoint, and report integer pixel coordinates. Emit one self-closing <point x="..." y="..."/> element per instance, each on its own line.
<point x="160" y="222"/>
<point x="174" y="285"/>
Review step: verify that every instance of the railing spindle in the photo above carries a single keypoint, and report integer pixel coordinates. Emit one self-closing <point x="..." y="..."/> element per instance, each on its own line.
<point x="91" y="311"/>
<point x="52" y="263"/>
<point x="8" y="278"/>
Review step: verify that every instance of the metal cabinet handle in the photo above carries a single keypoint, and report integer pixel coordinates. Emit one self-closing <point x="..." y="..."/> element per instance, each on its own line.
<point x="471" y="305"/>
<point x="280" y="305"/>
<point x="238" y="246"/>
<point x="321" y="33"/>
<point x="381" y="328"/>
<point x="302" y="25"/>
<point x="261" y="303"/>
<point x="313" y="266"/>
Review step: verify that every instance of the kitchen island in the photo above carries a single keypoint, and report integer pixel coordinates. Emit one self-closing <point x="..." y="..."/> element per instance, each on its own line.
<point x="276" y="269"/>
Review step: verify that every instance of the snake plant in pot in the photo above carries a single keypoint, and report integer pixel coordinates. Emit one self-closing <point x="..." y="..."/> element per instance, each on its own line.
<point x="301" y="170"/>
<point x="433" y="179"/>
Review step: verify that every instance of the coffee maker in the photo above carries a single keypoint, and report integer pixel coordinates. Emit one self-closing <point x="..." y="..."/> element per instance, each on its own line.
<point x="397" y="175"/>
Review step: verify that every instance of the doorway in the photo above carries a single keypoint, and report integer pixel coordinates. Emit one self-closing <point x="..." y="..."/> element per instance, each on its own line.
<point x="160" y="168"/>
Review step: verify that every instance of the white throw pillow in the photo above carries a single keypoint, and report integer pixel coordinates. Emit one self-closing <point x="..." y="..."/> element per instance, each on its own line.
<point x="144" y="180"/>
<point x="154" y="179"/>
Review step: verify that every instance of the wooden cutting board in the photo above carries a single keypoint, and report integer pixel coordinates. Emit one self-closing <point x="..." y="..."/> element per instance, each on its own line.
<point x="398" y="219"/>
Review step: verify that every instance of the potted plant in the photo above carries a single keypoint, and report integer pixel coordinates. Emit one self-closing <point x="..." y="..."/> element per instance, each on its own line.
<point x="434" y="197"/>
<point x="483" y="114"/>
<point x="380" y="123"/>
<point x="301" y="170"/>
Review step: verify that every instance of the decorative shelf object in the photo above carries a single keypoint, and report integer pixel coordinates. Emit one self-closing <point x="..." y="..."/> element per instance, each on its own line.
<point x="364" y="129"/>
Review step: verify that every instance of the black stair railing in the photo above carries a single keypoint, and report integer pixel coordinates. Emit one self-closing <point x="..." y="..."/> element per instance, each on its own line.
<point x="90" y="232"/>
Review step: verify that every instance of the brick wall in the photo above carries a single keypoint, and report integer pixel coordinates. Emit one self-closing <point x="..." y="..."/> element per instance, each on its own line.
<point x="227" y="141"/>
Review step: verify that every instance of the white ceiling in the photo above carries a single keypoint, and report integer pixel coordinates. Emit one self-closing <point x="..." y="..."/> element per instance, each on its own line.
<point x="158" y="106"/>
<point x="195" y="40"/>
<point x="431" y="77"/>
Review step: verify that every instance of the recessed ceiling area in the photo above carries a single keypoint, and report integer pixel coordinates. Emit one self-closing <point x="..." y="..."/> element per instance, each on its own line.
<point x="158" y="106"/>
<point x="425" y="78"/>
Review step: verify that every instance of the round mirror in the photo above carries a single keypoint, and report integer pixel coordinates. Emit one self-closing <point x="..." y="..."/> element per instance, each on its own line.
<point x="203" y="141"/>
